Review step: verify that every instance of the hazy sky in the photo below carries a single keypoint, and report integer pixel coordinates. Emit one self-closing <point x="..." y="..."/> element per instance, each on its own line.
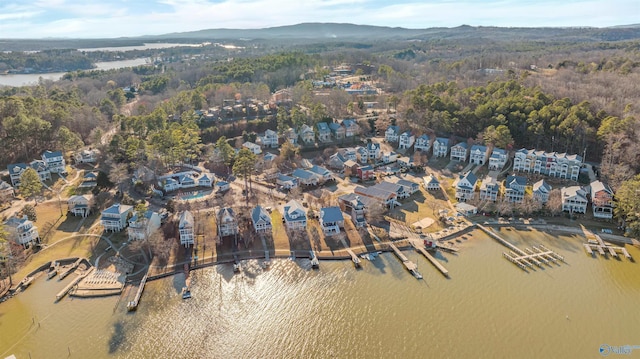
<point x="115" y="18"/>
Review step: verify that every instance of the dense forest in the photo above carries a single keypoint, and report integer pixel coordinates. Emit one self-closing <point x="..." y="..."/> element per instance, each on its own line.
<point x="576" y="97"/>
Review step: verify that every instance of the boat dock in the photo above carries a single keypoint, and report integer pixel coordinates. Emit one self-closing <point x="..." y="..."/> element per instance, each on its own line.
<point x="446" y="248"/>
<point x="315" y="263"/>
<point x="411" y="267"/>
<point x="431" y="259"/>
<point x="529" y="257"/>
<point x="71" y="269"/>
<point x="603" y="248"/>
<point x="133" y="305"/>
<point x="73" y="283"/>
<point x="354" y="258"/>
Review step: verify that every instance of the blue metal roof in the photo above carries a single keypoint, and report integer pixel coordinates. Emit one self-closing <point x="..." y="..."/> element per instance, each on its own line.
<point x="331" y="214"/>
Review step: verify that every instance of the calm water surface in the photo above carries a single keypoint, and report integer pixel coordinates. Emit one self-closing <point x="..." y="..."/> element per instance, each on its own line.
<point x="488" y="309"/>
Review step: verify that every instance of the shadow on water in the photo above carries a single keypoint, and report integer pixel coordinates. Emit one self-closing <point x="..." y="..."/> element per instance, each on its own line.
<point x="117" y="338"/>
<point x="225" y="271"/>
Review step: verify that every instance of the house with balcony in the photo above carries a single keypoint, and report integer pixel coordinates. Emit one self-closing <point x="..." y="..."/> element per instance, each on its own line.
<point x="396" y="188"/>
<point x="392" y="134"/>
<point x="351" y="128"/>
<point x="338" y="131"/>
<point x="255" y="149"/>
<point x="331" y="220"/>
<point x="286" y="182"/>
<point x="389" y="157"/>
<point x="16" y="170"/>
<point x="336" y="161"/>
<point x="291" y="135"/>
<point x="489" y="189"/>
<point x="294" y="216"/>
<point x="541" y="191"/>
<point x="574" y="199"/>
<point x="7" y="192"/>
<point x="324" y="132"/>
<point x="551" y="164"/>
<point x="22" y="231"/>
<point x="459" y="152"/>
<point x="465" y="186"/>
<point x="305" y="177"/>
<point x="366" y="173"/>
<point x="143" y="227"/>
<point x="114" y="218"/>
<point x="431" y="183"/>
<point x="324" y="174"/>
<point x="406" y="140"/>
<point x="307" y="135"/>
<point x="261" y="220"/>
<point x="227" y="223"/>
<point x="498" y="159"/>
<point x="205" y="180"/>
<point x="86" y="156"/>
<point x="406" y="162"/>
<point x="362" y="154"/>
<point x="601" y="200"/>
<point x="353" y="205"/>
<point x="373" y="150"/>
<point x="80" y="205"/>
<point x="186" y="226"/>
<point x="440" y="147"/>
<point x="54" y="161"/>
<point x="408" y="186"/>
<point x="269" y="139"/>
<point x="514" y="188"/>
<point x="478" y="154"/>
<point x="349" y="153"/>
<point x="89" y="180"/>
<point x="386" y="198"/>
<point x="423" y="143"/>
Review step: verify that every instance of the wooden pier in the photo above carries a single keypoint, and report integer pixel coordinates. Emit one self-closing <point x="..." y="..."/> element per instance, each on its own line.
<point x="133" y="305"/>
<point x="315" y="263"/>
<point x="354" y="258"/>
<point x="71" y="269"/>
<point x="411" y="267"/>
<point x="603" y="248"/>
<point x="539" y="256"/>
<point x="73" y="283"/>
<point x="431" y="259"/>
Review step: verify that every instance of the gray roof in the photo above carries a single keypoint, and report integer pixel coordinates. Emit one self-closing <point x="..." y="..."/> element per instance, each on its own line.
<point x="4" y="186"/>
<point x="431" y="179"/>
<point x="304" y="174"/>
<point x="390" y="187"/>
<point x="186" y="219"/>
<point x="322" y="126"/>
<point x="442" y="140"/>
<point x="479" y="148"/>
<point x="226" y="210"/>
<point x="395" y="129"/>
<point x="515" y="180"/>
<point x="320" y="170"/>
<point x="294" y="206"/>
<point x="374" y="192"/>
<point x="597" y="186"/>
<point x="470" y="177"/>
<point x="462" y="144"/>
<point x="51" y="154"/>
<point x="541" y="184"/>
<point x="260" y="213"/>
<point x="117" y="209"/>
<point x="406" y="183"/>
<point x="331" y="214"/>
<point x="16" y="168"/>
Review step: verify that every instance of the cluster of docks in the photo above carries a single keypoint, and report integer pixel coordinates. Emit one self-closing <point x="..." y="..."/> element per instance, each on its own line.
<point x="599" y="246"/>
<point x="529" y="257"/>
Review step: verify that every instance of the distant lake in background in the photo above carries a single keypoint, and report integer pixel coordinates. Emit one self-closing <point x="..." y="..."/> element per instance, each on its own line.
<point x="154" y="46"/>
<point x="32" y="79"/>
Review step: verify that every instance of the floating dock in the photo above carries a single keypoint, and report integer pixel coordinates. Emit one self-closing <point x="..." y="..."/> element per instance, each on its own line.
<point x="603" y="248"/>
<point x="73" y="283"/>
<point x="529" y="257"/>
<point x="411" y="267"/>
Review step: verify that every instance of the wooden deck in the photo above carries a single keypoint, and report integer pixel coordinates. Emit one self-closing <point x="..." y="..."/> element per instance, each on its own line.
<point x="431" y="259"/>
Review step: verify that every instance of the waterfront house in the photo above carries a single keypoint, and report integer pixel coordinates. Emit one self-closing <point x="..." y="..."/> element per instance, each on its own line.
<point x="423" y="143"/>
<point x="261" y="220"/>
<point x="392" y="134"/>
<point x="601" y="200"/>
<point x="408" y="186"/>
<point x="286" y="182"/>
<point x="114" y="218"/>
<point x="366" y="173"/>
<point x="307" y="135"/>
<point x="54" y="161"/>
<point x="466" y="209"/>
<point x="574" y="199"/>
<point x="389" y="199"/>
<point x="331" y="220"/>
<point x="373" y="150"/>
<point x="465" y="186"/>
<point x="541" y="190"/>
<point x="406" y="140"/>
<point x="6" y="192"/>
<point x="143" y="227"/>
<point x="294" y="216"/>
<point x="86" y="156"/>
<point x="269" y="139"/>
<point x="305" y="177"/>
<point x="22" y="231"/>
<point x="353" y="205"/>
<point x="186" y="225"/>
<point x="396" y="188"/>
<point x="222" y="186"/>
<point x="498" y="159"/>
<point x="89" y="180"/>
<point x="325" y="174"/>
<point x="459" y="152"/>
<point x="291" y="135"/>
<point x="440" y="147"/>
<point x="351" y="128"/>
<point x="430" y="182"/>
<point x="324" y="132"/>
<point x="80" y="205"/>
<point x="478" y="154"/>
<point x="489" y="189"/>
<point x="227" y="223"/>
<point x="551" y="164"/>
<point x="337" y="131"/>
<point x="514" y="188"/>
<point x="255" y="149"/>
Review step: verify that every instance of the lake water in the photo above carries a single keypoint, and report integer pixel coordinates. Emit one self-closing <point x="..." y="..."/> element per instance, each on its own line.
<point x="488" y="309"/>
<point x="32" y="79"/>
<point x="151" y="46"/>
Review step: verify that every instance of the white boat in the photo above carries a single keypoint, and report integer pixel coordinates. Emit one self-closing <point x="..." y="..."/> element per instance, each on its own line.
<point x="186" y="293"/>
<point x="236" y="267"/>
